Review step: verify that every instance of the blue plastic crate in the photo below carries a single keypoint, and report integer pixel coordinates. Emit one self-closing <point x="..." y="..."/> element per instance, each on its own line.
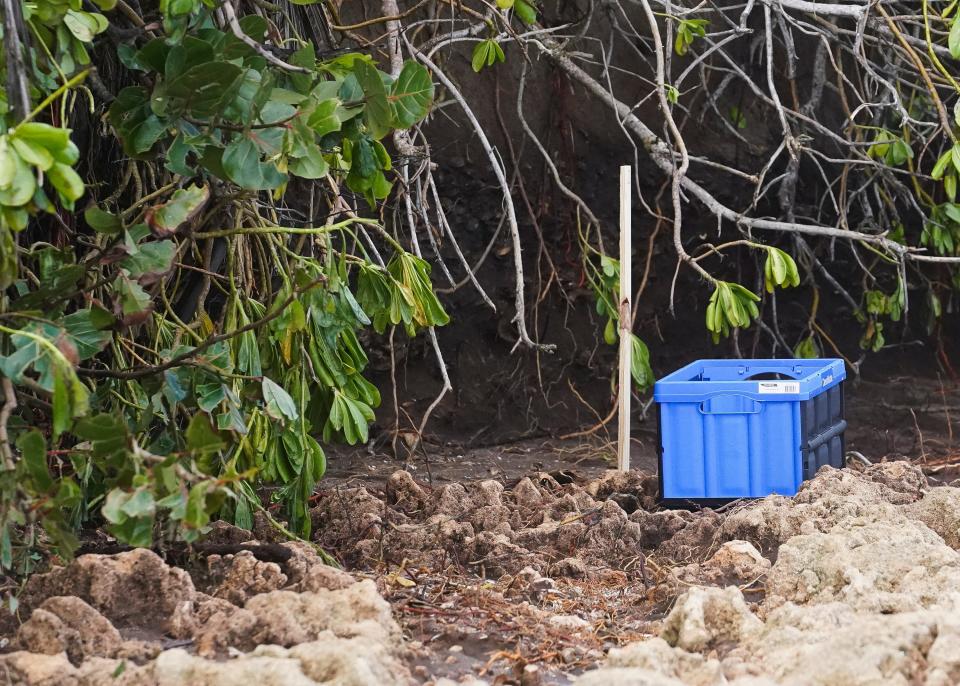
<point x="747" y="428"/>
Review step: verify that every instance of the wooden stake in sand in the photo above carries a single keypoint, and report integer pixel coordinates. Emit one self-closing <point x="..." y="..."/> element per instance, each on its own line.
<point x="624" y="387"/>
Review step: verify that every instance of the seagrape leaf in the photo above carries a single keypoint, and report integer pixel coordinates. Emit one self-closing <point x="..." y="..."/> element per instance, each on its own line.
<point x="377" y="114"/>
<point x="166" y="218"/>
<point x="150" y="260"/>
<point x="242" y="165"/>
<point x="411" y="95"/>
<point x="102" y="222"/>
<point x="202" y="90"/>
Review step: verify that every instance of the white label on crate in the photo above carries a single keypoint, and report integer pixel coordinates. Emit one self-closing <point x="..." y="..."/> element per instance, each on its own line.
<point x="778" y="387"/>
<point x="827" y="379"/>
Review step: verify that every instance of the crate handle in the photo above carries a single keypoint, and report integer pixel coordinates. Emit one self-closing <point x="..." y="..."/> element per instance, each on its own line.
<point x="730" y="403"/>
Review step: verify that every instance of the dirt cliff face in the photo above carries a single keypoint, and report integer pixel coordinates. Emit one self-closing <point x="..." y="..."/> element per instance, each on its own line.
<point x="504" y="393"/>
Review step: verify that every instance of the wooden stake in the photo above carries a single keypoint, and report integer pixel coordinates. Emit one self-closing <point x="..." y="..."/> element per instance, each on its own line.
<point x="624" y="387"/>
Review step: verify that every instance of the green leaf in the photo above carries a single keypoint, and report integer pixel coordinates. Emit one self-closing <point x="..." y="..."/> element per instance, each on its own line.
<point x="807" y="349"/>
<point x="32" y="153"/>
<point x="377" y="113"/>
<point x="66" y="181"/>
<point x="201" y="436"/>
<point x="324" y="118"/>
<point x="310" y="166"/>
<point x="481" y="53"/>
<point x="102" y="222"/>
<point x="166" y="218"/>
<point x="953" y="39"/>
<point x="411" y="95"/>
<point x="150" y="261"/>
<point x="525" y="11"/>
<point x="241" y="162"/>
<point x="279" y="404"/>
<point x="203" y="90"/>
<point x="50" y="137"/>
<point x="140" y="504"/>
<point x="640" y="370"/>
<point x="33" y="451"/>
<point x="112" y="509"/>
<point x="62" y="414"/>
<point x="941" y="166"/>
<point x="135" y="531"/>
<point x="8" y="162"/>
<point x="110" y="441"/>
<point x="130" y="299"/>
<point x="22" y="187"/>
<point x="85" y="329"/>
<point x="84" y="25"/>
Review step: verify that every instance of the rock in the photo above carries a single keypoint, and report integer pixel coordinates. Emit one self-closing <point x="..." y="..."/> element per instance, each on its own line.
<point x="532" y="585"/>
<point x="307" y="571"/>
<point x="36" y="669"/>
<point x="68" y="624"/>
<point x="706" y="618"/>
<point x="138" y="651"/>
<point x="658" y="527"/>
<point x="526" y="494"/>
<point x="568" y="622"/>
<point x="487" y="493"/>
<point x="656" y="663"/>
<point x="736" y="563"/>
<point x="571" y="567"/>
<point x="286" y="618"/>
<point x="222" y="533"/>
<point x="939" y="509"/>
<point x="829" y="644"/>
<point x="403" y="493"/>
<point x="832" y="496"/>
<point x="134" y="588"/>
<point x="943" y="660"/>
<point x="637" y="483"/>
<point x="324" y="577"/>
<point x="692" y="541"/>
<point x="265" y="530"/>
<point x="329" y="660"/>
<point x="238" y="577"/>
<point x="222" y="625"/>
<point x="450" y="500"/>
<point x="889" y="566"/>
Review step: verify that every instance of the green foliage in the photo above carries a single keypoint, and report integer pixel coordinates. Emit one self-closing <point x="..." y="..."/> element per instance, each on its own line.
<point x="688" y="30"/>
<point x="890" y="149"/>
<point x="953" y="38"/>
<point x="807" y="349"/>
<point x="878" y="304"/>
<point x="486" y="53"/>
<point x="141" y="421"/>
<point x="779" y="269"/>
<point x="942" y="230"/>
<point x="731" y="306"/>
<point x="525" y="10"/>
<point x="603" y="273"/>
<point x="737" y="117"/>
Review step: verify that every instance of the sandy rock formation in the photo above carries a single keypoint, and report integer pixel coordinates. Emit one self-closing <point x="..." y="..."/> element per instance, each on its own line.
<point x="865" y="591"/>
<point x="132" y="588"/>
